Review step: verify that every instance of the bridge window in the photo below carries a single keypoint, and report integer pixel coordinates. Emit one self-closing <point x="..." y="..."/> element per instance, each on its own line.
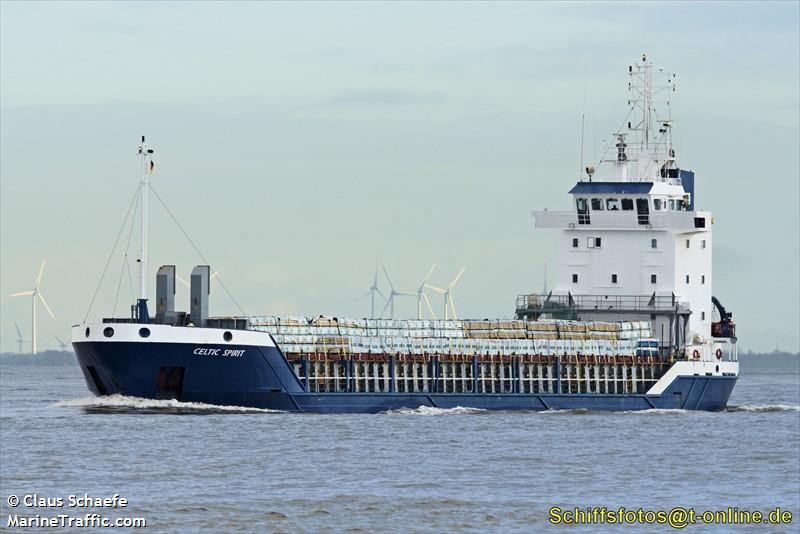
<point x="574" y="278"/>
<point x="654" y="243"/>
<point x="699" y="222"/>
<point x="612" y="204"/>
<point x="574" y="242"/>
<point x="672" y="204"/>
<point x="583" y="210"/>
<point x="613" y="278"/>
<point x="653" y="278"/>
<point x="597" y="204"/>
<point x="627" y="204"/>
<point x="656" y="204"/>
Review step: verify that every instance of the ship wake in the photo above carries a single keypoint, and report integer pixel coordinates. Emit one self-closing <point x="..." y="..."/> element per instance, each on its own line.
<point x="124" y="404"/>
<point x="760" y="408"/>
<point x="431" y="411"/>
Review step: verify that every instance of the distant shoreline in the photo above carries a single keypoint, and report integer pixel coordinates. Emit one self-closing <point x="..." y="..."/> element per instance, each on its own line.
<point x="48" y="357"/>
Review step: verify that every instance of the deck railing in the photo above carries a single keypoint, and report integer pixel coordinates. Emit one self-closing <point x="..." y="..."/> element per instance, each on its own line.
<point x="541" y="303"/>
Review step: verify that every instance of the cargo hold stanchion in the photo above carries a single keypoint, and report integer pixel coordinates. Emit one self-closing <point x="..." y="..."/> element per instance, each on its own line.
<point x="435" y="373"/>
<point x="474" y="374"/>
<point x="349" y="368"/>
<point x="392" y="385"/>
<point x="557" y="371"/>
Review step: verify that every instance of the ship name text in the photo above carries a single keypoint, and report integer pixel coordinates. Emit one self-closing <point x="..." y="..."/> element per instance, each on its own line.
<point x="225" y="353"/>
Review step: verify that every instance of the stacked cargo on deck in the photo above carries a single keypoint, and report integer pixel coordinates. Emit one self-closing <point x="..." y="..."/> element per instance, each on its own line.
<point x="334" y="336"/>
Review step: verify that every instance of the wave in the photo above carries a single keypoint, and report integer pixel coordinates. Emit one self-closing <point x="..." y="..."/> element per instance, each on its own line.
<point x="764" y="408"/>
<point x="568" y="411"/>
<point x="430" y="410"/>
<point x="125" y="404"/>
<point x="589" y="411"/>
<point x="664" y="411"/>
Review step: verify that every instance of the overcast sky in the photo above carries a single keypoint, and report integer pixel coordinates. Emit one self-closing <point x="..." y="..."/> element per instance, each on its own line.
<point x="296" y="141"/>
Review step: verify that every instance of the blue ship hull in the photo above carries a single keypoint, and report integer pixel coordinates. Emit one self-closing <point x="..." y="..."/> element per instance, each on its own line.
<point x="263" y="378"/>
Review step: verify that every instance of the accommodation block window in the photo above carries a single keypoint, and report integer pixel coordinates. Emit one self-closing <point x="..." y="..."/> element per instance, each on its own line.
<point x="654" y="243"/>
<point x="574" y="242"/>
<point x="613" y="278"/>
<point x="653" y="278"/>
<point x="574" y="278"/>
<point x="687" y="278"/>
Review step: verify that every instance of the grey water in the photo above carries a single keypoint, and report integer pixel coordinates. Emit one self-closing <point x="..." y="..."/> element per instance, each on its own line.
<point x="191" y="467"/>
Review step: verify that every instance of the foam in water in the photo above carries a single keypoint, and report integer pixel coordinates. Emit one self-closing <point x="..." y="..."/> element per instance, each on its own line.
<point x="764" y="408"/>
<point x="122" y="403"/>
<point x="429" y="410"/>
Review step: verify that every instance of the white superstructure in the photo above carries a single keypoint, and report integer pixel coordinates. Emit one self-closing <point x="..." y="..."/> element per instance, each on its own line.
<point x="633" y="240"/>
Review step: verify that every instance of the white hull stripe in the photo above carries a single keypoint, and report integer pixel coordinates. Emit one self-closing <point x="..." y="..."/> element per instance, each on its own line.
<point x="159" y="333"/>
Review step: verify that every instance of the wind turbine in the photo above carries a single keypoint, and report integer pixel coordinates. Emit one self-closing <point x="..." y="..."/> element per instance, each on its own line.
<point x="446" y="291"/>
<point x="20" y="341"/>
<point x="61" y="344"/>
<point x="371" y="293"/>
<point x="422" y="296"/>
<point x="33" y="293"/>
<point x="392" y="295"/>
<point x="184" y="282"/>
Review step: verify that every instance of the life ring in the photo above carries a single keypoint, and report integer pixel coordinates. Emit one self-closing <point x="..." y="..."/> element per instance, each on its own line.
<point x="696" y="354"/>
<point x="719" y="354"/>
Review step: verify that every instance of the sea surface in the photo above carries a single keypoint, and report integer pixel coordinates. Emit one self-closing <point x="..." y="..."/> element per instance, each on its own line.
<point x="194" y="467"/>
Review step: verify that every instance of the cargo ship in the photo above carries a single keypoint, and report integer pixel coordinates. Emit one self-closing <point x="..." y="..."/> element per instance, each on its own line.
<point x="630" y="324"/>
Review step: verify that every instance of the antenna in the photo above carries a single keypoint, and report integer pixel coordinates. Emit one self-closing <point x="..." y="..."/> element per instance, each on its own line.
<point x="146" y="155"/>
<point x="583" y="117"/>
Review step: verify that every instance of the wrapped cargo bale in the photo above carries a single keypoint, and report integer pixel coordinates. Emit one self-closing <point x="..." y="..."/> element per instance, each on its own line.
<point x="322" y="321"/>
<point x="293" y="320"/>
<point x="544" y="325"/>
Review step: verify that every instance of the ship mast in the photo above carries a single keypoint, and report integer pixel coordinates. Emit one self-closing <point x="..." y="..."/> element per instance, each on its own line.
<point x="146" y="155"/>
<point x="648" y="153"/>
